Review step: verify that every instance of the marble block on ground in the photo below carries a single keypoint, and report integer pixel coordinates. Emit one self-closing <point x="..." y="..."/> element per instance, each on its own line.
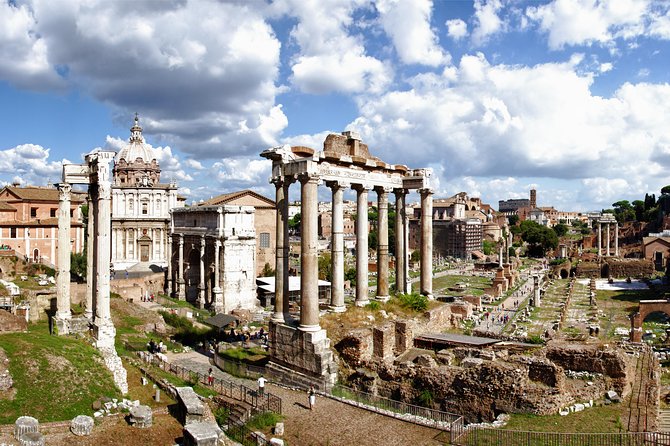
<point x="31" y="439"/>
<point x="141" y="416"/>
<point x="24" y="425"/>
<point x="81" y="425"/>
<point x="202" y="433"/>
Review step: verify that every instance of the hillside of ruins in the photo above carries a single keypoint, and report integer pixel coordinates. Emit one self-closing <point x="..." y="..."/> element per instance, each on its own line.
<point x="503" y="343"/>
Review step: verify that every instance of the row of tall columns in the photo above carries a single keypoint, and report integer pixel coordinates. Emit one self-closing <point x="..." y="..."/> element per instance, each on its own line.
<point x="607" y="239"/>
<point x="309" y="250"/>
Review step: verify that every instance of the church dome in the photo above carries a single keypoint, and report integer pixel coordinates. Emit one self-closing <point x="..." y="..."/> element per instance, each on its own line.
<point x="136" y="147"/>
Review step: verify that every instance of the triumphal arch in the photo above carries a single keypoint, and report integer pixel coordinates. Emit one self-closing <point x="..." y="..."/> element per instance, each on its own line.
<point x="301" y="349"/>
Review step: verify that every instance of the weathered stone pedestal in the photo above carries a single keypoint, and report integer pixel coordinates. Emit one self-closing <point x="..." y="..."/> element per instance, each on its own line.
<point x="81" y="425"/>
<point x="202" y="433"/>
<point x="141" y="417"/>
<point x="301" y="358"/>
<point x="61" y="325"/>
<point x="31" y="439"/>
<point x="24" y="425"/>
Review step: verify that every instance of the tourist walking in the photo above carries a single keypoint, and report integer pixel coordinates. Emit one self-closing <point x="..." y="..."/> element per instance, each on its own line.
<point x="312" y="397"/>
<point x="261" y="385"/>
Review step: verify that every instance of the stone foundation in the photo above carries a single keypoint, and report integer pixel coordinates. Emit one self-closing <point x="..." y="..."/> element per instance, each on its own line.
<point x="305" y="355"/>
<point x="114" y="364"/>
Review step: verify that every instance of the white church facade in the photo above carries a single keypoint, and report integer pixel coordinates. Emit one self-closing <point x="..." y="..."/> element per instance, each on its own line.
<point x="140" y="206"/>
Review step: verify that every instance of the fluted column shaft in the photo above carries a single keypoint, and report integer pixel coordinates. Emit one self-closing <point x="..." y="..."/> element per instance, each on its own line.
<point x="337" y="248"/>
<point x="181" y="293"/>
<point x="281" y="251"/>
<point x="168" y="280"/>
<point x="616" y="239"/>
<point x="102" y="247"/>
<point x="309" y="255"/>
<point x="426" y="242"/>
<point x="90" y="252"/>
<point x="362" y="246"/>
<point x="64" y="250"/>
<point x="382" y="244"/>
<point x="201" y="285"/>
<point x="399" y="240"/>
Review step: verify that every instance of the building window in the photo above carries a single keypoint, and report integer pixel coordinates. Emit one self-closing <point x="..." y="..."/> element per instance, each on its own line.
<point x="265" y="239"/>
<point x="52" y="212"/>
<point x="12" y="232"/>
<point x="33" y="212"/>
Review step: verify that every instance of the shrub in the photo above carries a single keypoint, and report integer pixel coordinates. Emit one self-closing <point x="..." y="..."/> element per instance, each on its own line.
<point x="373" y="306"/>
<point x="414" y="301"/>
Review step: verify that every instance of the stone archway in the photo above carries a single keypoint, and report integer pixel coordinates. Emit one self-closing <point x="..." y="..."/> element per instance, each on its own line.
<point x="646" y="308"/>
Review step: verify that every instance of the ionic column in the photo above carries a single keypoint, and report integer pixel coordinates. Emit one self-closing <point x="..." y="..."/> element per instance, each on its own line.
<point x="361" y="245"/>
<point x="382" y="244"/>
<point x="64" y="249"/>
<point x="337" y="248"/>
<point x="181" y="292"/>
<point x="426" y="242"/>
<point x="200" y="303"/>
<point x="280" y="314"/>
<point x="168" y="279"/>
<point x="90" y="252"/>
<point x="616" y="239"/>
<point x="399" y="240"/>
<point x="608" y="239"/>
<point x="600" y="237"/>
<point x="216" y="291"/>
<point x="309" y="255"/>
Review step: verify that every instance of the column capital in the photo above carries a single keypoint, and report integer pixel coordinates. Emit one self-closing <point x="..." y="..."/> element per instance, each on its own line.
<point x="283" y="180"/>
<point x="361" y="187"/>
<point x="306" y="178"/>
<point x="337" y="184"/>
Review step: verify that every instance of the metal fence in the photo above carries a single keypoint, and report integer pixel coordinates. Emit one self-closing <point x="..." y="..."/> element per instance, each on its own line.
<point x="415" y="414"/>
<point x="499" y="437"/>
<point x="265" y="402"/>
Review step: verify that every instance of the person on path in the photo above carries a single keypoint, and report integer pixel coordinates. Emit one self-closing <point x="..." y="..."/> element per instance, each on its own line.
<point x="210" y="377"/>
<point x="261" y="385"/>
<point x="312" y="397"/>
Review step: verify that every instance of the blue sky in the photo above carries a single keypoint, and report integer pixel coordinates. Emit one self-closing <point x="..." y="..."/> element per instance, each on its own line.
<point x="568" y="96"/>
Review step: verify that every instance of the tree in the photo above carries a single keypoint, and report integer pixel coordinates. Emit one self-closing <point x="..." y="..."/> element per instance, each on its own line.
<point x="325" y="267"/>
<point x="561" y="229"/>
<point x="78" y="264"/>
<point x="294" y="223"/>
<point x="539" y="238"/>
<point x="268" y="271"/>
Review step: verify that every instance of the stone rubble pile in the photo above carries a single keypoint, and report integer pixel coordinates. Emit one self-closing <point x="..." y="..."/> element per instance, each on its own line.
<point x="115" y="406"/>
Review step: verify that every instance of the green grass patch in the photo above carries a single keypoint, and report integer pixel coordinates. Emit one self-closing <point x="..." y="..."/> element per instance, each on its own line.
<point x="55" y="377"/>
<point x="597" y="419"/>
